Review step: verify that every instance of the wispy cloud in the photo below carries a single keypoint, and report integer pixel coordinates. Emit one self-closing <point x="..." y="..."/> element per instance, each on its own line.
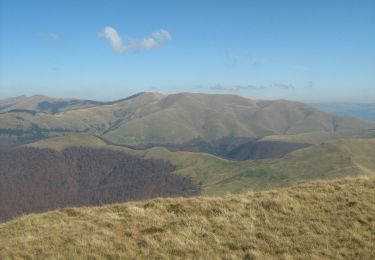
<point x="223" y="87"/>
<point x="127" y="44"/>
<point x="48" y="35"/>
<point x="233" y="60"/>
<point x="282" y="86"/>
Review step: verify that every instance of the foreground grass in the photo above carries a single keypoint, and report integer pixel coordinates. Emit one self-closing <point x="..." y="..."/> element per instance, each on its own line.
<point x="312" y="221"/>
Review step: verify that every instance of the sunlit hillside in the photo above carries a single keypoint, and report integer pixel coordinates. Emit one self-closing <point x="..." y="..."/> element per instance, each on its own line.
<point x="322" y="220"/>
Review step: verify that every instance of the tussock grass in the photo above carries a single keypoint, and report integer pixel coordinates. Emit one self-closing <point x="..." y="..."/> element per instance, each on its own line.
<point x="321" y="220"/>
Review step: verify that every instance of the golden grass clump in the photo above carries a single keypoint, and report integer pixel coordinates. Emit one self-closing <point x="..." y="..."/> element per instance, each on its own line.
<point x="321" y="220"/>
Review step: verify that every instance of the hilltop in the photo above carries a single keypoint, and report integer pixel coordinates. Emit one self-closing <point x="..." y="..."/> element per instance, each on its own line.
<point x="322" y="220"/>
<point x="44" y="104"/>
<point x="155" y="118"/>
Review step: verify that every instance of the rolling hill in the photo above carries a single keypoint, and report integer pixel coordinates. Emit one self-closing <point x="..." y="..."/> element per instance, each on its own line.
<point x="105" y="153"/>
<point x="83" y="170"/>
<point x="329" y="160"/>
<point x="322" y="220"/>
<point x="154" y="118"/>
<point x="45" y="104"/>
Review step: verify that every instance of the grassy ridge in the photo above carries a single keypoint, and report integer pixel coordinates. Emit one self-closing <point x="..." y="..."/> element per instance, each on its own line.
<point x="322" y="220"/>
<point x="335" y="159"/>
<point x="177" y="118"/>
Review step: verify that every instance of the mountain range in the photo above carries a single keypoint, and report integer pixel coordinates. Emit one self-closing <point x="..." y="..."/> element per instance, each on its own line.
<point x="58" y="153"/>
<point x="184" y="175"/>
<point x="206" y="122"/>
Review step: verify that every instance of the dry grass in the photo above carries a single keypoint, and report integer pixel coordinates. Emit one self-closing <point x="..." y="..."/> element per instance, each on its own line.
<point x="322" y="220"/>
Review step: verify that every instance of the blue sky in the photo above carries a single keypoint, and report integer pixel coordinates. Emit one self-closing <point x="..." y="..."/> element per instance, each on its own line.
<point x="307" y="50"/>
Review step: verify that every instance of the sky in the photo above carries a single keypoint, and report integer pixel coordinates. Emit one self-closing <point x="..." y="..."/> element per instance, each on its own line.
<point x="310" y="50"/>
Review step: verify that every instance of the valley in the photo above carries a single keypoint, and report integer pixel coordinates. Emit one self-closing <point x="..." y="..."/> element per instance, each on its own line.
<point x="185" y="173"/>
<point x="187" y="130"/>
<point x="182" y="150"/>
<point x="94" y="153"/>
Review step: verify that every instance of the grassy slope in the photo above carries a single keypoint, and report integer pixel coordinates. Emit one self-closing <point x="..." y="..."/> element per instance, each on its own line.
<point x="182" y="117"/>
<point x="334" y="159"/>
<point x="33" y="103"/>
<point x="349" y="157"/>
<point x="23" y="102"/>
<point x="205" y="168"/>
<point x="159" y="118"/>
<point x="309" y="138"/>
<point x="323" y="220"/>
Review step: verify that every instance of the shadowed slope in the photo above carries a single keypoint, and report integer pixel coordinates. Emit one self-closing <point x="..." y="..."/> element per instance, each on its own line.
<point x="264" y="150"/>
<point x="323" y="220"/>
<point x="37" y="180"/>
<point x="335" y="159"/>
<point x="235" y="148"/>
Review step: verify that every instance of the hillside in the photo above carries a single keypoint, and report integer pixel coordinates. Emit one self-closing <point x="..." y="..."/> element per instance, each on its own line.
<point x="154" y="118"/>
<point x="264" y="150"/>
<point x="341" y="158"/>
<point x="40" y="103"/>
<point x="38" y="180"/>
<point x="83" y="170"/>
<point x="235" y="148"/>
<point x="322" y="220"/>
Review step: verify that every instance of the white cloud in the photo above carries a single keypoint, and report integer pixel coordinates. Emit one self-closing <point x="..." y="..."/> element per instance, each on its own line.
<point x="148" y="43"/>
<point x="114" y="39"/>
<point x="156" y="39"/>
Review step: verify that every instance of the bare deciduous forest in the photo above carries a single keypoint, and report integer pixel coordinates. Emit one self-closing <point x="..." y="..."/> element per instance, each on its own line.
<point x="44" y="179"/>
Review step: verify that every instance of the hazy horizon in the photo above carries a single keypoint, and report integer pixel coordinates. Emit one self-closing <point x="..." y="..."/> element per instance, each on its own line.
<point x="119" y="98"/>
<point x="308" y="51"/>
